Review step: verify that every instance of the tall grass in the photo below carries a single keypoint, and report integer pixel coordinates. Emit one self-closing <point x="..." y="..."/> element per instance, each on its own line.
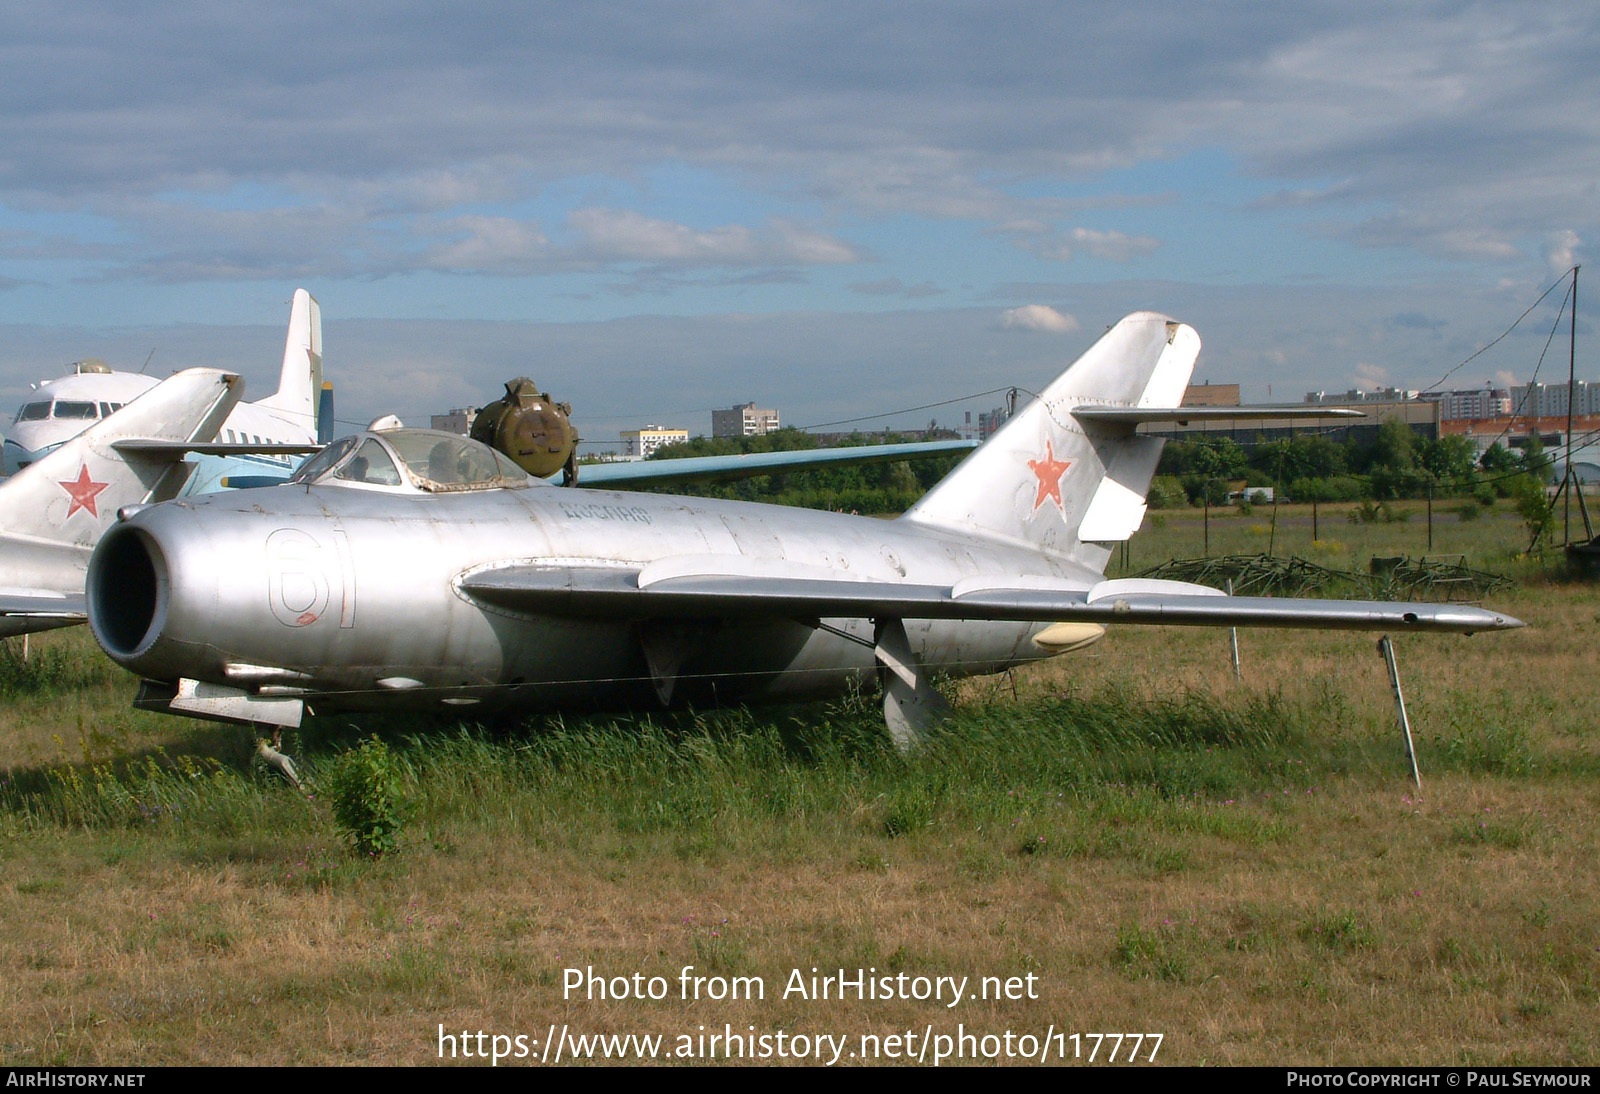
<point x="740" y="774"/>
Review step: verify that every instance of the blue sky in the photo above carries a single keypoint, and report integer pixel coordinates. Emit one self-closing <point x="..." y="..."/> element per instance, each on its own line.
<point x="832" y="208"/>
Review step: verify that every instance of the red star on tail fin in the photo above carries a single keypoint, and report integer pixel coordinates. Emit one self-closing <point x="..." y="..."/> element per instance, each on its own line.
<point x="1049" y="471"/>
<point x="83" y="490"/>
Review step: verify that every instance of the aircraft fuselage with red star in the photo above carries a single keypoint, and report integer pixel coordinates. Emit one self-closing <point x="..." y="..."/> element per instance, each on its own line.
<point x="53" y="512"/>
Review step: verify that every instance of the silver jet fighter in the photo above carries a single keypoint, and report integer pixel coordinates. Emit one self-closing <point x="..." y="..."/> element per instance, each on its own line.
<point x="411" y="569"/>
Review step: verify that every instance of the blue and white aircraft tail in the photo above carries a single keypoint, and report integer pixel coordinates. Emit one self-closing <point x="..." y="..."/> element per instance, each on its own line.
<point x="300" y="381"/>
<point x="91" y="392"/>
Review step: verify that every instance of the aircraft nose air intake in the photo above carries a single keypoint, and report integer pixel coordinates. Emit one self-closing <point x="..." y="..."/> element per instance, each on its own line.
<point x="127" y="593"/>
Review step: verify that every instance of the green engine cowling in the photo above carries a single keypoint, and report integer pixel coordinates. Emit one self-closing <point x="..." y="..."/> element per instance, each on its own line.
<point x="531" y="428"/>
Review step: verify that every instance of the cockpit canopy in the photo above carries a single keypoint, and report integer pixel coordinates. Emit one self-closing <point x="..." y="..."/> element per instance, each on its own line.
<point x="422" y="459"/>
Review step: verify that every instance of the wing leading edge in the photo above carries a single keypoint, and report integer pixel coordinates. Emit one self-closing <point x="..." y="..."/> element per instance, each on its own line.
<point x="716" y="468"/>
<point x="639" y="594"/>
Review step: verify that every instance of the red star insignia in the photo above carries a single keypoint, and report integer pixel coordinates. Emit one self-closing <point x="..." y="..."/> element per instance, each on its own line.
<point x="83" y="490"/>
<point x="1049" y="471"/>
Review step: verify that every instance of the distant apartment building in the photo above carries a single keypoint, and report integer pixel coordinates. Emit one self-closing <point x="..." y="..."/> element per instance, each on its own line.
<point x="989" y="422"/>
<point x="1470" y="404"/>
<point x="745" y="420"/>
<point x="1481" y="403"/>
<point x="1355" y="397"/>
<point x="641" y="443"/>
<point x="1550" y="400"/>
<point x="456" y="421"/>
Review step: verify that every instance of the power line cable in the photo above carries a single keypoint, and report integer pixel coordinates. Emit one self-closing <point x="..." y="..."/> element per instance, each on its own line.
<point x="1503" y="334"/>
<point x="912" y="409"/>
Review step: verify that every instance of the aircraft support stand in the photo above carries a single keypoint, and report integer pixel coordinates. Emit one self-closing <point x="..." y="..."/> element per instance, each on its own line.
<point x="1233" y="641"/>
<point x="275" y="759"/>
<point x="1386" y="648"/>
<point x="910" y="701"/>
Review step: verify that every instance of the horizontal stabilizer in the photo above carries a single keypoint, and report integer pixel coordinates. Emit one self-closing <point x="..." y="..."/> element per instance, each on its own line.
<point x="1133" y="415"/>
<point x="616" y="592"/>
<point x="156" y="447"/>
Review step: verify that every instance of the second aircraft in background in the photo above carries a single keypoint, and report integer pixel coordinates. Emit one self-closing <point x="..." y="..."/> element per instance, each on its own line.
<point x="64" y="407"/>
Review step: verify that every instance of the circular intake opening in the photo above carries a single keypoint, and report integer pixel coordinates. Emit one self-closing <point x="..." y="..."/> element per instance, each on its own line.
<point x="127" y="592"/>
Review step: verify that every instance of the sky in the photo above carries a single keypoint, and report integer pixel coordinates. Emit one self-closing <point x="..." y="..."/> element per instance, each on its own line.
<point x="840" y="210"/>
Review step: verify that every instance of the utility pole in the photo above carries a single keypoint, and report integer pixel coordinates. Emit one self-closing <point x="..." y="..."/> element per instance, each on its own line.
<point x="1430" y="514"/>
<point x="1572" y="394"/>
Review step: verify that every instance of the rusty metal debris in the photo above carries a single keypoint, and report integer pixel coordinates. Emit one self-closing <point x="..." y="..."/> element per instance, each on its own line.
<point x="1431" y="577"/>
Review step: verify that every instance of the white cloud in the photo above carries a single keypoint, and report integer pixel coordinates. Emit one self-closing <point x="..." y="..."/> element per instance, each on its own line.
<point x="633" y="237"/>
<point x="626" y="236"/>
<point x="491" y="243"/>
<point x="1046" y="242"/>
<point x="607" y="237"/>
<point x="1040" y="318"/>
<point x="1370" y="377"/>
<point x="893" y="286"/>
<point x="1115" y="246"/>
<point x="1560" y="250"/>
<point x="1458" y="130"/>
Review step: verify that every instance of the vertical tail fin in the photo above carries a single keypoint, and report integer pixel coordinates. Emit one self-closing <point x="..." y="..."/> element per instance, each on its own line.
<point x="72" y="495"/>
<point x="1065" y="485"/>
<point x="300" y="382"/>
<point x="325" y="414"/>
<point x="55" y="510"/>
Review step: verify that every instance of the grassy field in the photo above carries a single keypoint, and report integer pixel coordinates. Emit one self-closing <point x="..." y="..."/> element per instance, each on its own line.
<point x="1241" y="866"/>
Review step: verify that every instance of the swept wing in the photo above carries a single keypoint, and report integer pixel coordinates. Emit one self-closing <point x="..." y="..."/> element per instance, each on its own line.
<point x="668" y="589"/>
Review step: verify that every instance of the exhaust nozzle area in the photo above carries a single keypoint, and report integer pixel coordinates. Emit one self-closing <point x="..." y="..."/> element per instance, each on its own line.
<point x="151" y="593"/>
<point x="128" y="591"/>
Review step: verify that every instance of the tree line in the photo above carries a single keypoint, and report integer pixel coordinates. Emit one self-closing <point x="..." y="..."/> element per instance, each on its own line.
<point x="1397" y="462"/>
<point x="867" y="489"/>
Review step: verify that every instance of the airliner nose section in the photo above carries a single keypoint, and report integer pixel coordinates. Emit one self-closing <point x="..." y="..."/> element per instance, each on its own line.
<point x="19" y="454"/>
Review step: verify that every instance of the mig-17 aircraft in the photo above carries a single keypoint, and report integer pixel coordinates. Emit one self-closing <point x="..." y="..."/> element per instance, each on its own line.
<point x="407" y="569"/>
